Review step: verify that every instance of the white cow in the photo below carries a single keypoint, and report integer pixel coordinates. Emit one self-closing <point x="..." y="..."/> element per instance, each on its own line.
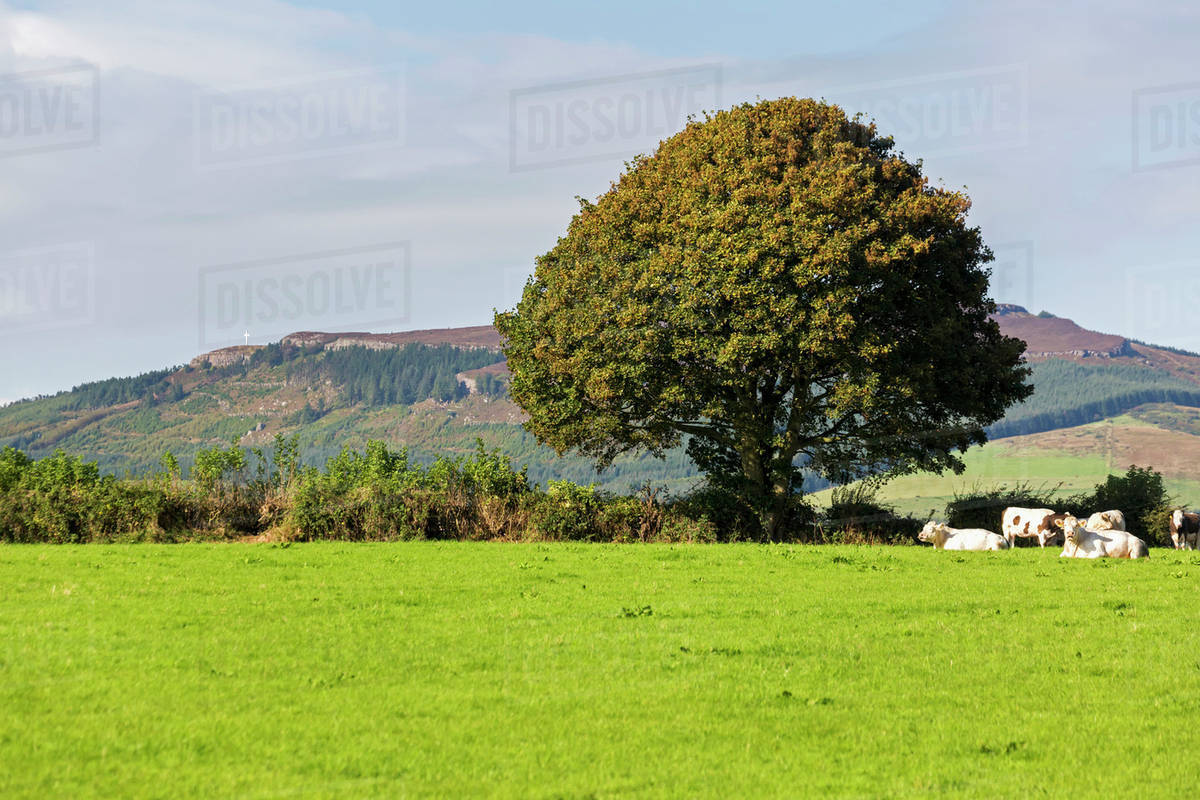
<point x="1030" y="523"/>
<point x="944" y="537"/>
<point x="1083" y="543"/>
<point x="1106" y="521"/>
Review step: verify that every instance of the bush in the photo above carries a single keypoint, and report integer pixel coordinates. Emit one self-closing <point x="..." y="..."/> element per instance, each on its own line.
<point x="856" y="504"/>
<point x="730" y="518"/>
<point x="567" y="512"/>
<point x="679" y="528"/>
<point x="984" y="508"/>
<point x="856" y="516"/>
<point x="1140" y="494"/>
<point x="380" y="494"/>
<point x="63" y="499"/>
<point x="1157" y="524"/>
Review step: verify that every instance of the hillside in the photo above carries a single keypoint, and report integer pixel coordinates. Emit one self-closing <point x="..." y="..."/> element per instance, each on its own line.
<point x="1055" y="337"/>
<point x="436" y="391"/>
<point x="1050" y="338"/>
<point x="1083" y="376"/>
<point x="1070" y="460"/>
<point x="1102" y="404"/>
<point x="433" y="391"/>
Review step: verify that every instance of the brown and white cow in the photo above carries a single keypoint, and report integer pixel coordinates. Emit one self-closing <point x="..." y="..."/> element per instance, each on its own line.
<point x="1183" y="525"/>
<point x="1079" y="542"/>
<point x="1028" y="523"/>
<point x="1106" y="521"/>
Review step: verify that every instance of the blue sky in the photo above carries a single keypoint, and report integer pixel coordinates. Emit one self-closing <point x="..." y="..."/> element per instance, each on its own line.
<point x="178" y="175"/>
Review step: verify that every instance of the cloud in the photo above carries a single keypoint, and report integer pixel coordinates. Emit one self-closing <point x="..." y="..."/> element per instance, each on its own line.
<point x="197" y="42"/>
<point x="157" y="214"/>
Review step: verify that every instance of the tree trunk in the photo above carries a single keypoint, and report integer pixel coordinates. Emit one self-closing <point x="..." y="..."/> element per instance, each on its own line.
<point x="777" y="508"/>
<point x="767" y="491"/>
<point x="757" y="487"/>
<point x="768" y="478"/>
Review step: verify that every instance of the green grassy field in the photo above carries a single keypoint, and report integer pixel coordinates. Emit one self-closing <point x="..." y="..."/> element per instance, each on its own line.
<point x="457" y="670"/>
<point x="1006" y="462"/>
<point x="988" y="466"/>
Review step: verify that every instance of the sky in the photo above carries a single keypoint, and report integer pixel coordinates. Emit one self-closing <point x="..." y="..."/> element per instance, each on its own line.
<point x="188" y="175"/>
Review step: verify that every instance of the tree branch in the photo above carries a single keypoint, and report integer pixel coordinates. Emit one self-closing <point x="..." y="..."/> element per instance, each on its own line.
<point x="711" y="431"/>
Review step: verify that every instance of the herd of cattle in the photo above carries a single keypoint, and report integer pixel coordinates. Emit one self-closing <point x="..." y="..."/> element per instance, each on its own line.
<point x="1102" y="534"/>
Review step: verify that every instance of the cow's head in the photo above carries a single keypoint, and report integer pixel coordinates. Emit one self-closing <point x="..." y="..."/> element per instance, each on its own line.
<point x="935" y="532"/>
<point x="1071" y="527"/>
<point x="1177" y="518"/>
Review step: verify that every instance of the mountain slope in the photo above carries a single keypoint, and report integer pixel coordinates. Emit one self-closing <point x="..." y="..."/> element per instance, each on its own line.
<point x="435" y="391"/>
<point x="1082" y="376"/>
<point x="1071" y="460"/>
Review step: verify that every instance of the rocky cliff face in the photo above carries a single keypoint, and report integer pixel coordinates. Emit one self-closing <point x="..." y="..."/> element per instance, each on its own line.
<point x="238" y="354"/>
<point x="478" y="336"/>
<point x="1004" y="309"/>
<point x="1055" y="337"/>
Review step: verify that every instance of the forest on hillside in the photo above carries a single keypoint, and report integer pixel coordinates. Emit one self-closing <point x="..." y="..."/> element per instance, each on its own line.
<point x="189" y="408"/>
<point x="381" y="377"/>
<point x="1070" y="394"/>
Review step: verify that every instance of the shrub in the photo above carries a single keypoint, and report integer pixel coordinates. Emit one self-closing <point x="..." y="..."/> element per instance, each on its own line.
<point x="380" y="494"/>
<point x="64" y="499"/>
<point x="567" y="512"/>
<point x="984" y="507"/>
<point x="13" y="464"/>
<point x="1140" y="494"/>
<point x="1157" y="524"/>
<point x="856" y="516"/>
<point x="730" y="517"/>
<point x="679" y="528"/>
<point x="216" y="468"/>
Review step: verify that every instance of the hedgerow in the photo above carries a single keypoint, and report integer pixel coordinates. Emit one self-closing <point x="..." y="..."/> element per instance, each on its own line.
<point x="382" y="494"/>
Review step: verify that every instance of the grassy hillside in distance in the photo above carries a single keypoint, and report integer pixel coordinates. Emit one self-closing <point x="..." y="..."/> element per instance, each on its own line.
<point x="1069" y="393"/>
<point x="1072" y="459"/>
<point x="436" y="391"/>
<point x="413" y="395"/>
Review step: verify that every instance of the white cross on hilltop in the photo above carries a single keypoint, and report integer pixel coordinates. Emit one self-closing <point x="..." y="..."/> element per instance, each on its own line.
<point x="247" y="335"/>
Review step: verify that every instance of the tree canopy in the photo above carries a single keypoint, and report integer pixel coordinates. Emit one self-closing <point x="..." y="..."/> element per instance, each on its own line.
<point x="780" y="286"/>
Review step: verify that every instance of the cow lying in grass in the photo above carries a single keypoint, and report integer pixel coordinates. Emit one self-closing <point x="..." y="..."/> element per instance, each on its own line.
<point x="1030" y="523"/>
<point x="943" y="537"/>
<point x="1083" y="543"/>
<point x="1106" y="521"/>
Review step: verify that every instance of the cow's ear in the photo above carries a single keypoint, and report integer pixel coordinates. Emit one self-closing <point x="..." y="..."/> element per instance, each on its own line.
<point x="1058" y="523"/>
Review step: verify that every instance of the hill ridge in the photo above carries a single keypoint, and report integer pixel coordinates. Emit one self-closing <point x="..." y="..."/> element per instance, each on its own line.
<point x="315" y="384"/>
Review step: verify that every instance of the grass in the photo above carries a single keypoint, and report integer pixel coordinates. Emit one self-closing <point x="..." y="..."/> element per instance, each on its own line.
<point x="990" y="465"/>
<point x="460" y="670"/>
<point x="1029" y="461"/>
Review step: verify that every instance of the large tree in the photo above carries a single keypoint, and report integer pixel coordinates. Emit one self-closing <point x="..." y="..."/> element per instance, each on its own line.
<point x="780" y="286"/>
